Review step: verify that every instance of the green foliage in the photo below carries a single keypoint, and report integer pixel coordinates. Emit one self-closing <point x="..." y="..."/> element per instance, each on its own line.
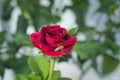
<point x="2" y="37"/>
<point x="88" y="49"/>
<point x="111" y="45"/>
<point x="6" y="9"/>
<point x="34" y="77"/>
<point x="80" y="9"/>
<point x="30" y="77"/>
<point x="108" y="6"/>
<point x="56" y="75"/>
<point x="37" y="14"/>
<point x="39" y="65"/>
<point x="72" y="30"/>
<point x="21" y="77"/>
<point x="21" y="39"/>
<point x="64" y="58"/>
<point x="16" y="64"/>
<point x="64" y="79"/>
<point x="22" y="24"/>
<point x="40" y="69"/>
<point x="109" y="64"/>
<point x="1" y="69"/>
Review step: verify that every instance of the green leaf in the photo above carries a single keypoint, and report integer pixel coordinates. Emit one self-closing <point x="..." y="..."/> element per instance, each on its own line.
<point x="108" y="6"/>
<point x="22" y="24"/>
<point x="109" y="64"/>
<point x="15" y="64"/>
<point x="88" y="49"/>
<point x="7" y="9"/>
<point x="64" y="79"/>
<point x="34" y="77"/>
<point x="94" y="64"/>
<point x="56" y="75"/>
<point x="2" y="37"/>
<point x="109" y="44"/>
<point x="72" y="30"/>
<point x="1" y="69"/>
<point x="21" y="77"/>
<point x="22" y="39"/>
<point x="39" y="65"/>
<point x="64" y="58"/>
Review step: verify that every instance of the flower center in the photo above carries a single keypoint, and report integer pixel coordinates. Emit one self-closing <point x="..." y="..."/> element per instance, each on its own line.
<point x="59" y="48"/>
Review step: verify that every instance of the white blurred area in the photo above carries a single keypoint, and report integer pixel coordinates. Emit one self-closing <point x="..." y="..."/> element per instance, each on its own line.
<point x="69" y="69"/>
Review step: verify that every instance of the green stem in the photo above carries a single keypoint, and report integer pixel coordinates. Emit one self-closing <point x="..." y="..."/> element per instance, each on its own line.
<point x="52" y="64"/>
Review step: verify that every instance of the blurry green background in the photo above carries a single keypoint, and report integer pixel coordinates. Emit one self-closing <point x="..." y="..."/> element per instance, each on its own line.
<point x="98" y="31"/>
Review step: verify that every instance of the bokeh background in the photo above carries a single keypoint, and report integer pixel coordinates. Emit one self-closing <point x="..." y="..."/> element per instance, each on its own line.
<point x="96" y="55"/>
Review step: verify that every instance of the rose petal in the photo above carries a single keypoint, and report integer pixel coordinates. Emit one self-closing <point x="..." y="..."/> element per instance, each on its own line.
<point x="57" y="33"/>
<point x="70" y="40"/>
<point x="65" y="51"/>
<point x="55" y="36"/>
<point x="49" y="27"/>
<point x="34" y="37"/>
<point x="53" y="41"/>
<point x="42" y="34"/>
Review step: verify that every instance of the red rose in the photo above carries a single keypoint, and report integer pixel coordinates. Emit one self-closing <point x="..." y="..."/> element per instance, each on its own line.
<point x="53" y="40"/>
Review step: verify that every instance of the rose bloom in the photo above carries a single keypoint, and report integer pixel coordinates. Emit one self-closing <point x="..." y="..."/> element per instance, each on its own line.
<point x="53" y="40"/>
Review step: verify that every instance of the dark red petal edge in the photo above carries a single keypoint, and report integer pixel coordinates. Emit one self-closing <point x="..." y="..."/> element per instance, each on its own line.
<point x="34" y="37"/>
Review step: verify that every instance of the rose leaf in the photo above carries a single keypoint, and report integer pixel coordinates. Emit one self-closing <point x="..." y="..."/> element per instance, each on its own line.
<point x="56" y="75"/>
<point x="21" y="77"/>
<point x="72" y="30"/>
<point x="64" y="79"/>
<point x="39" y="65"/>
<point x="109" y="64"/>
<point x="34" y="77"/>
